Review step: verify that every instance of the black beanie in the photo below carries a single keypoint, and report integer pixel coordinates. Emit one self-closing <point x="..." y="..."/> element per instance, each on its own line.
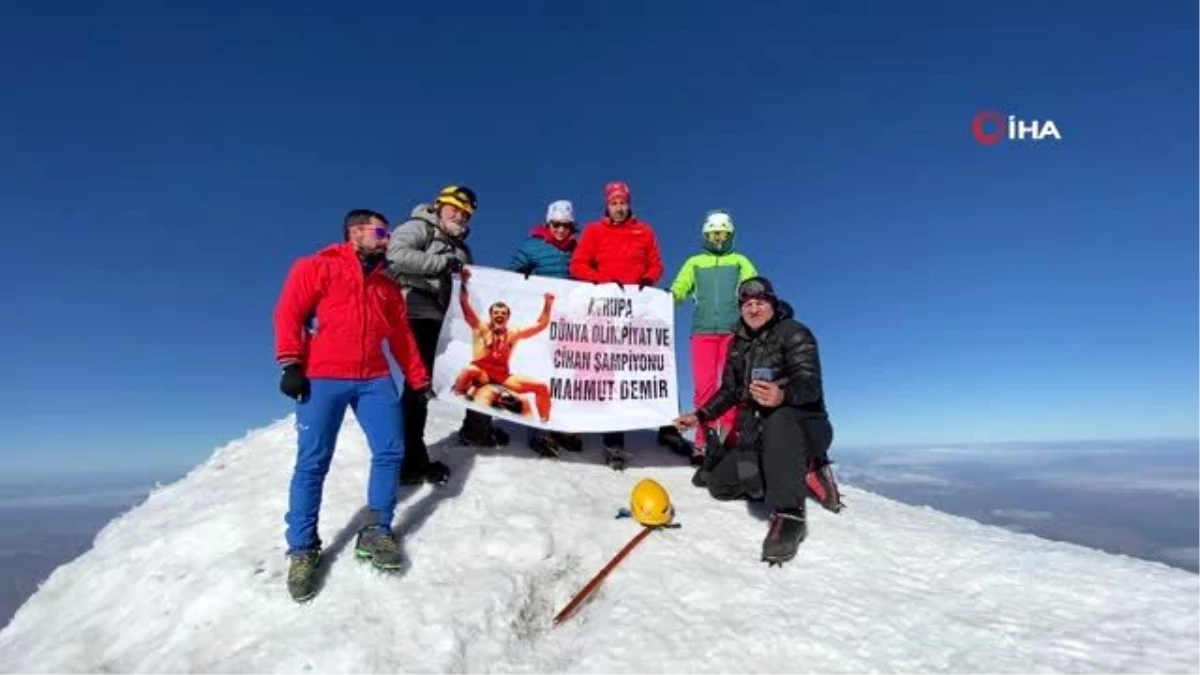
<point x="758" y="286"/>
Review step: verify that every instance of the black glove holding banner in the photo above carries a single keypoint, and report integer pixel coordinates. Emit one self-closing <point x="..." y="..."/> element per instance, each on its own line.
<point x="293" y="383"/>
<point x="453" y="264"/>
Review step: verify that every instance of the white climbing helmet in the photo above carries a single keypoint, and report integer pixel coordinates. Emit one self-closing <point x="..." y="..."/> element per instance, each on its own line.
<point x="718" y="221"/>
<point x="560" y="211"/>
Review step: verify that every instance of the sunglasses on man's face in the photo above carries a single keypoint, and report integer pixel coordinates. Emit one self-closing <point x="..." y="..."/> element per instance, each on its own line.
<point x="567" y="226"/>
<point x="379" y="232"/>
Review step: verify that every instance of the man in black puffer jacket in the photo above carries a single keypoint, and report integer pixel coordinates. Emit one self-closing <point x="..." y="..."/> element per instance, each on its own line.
<point x="777" y="452"/>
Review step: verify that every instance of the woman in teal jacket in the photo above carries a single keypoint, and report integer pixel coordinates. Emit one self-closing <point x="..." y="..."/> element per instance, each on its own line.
<point x="712" y="278"/>
<point x="547" y="253"/>
<point x="548" y="250"/>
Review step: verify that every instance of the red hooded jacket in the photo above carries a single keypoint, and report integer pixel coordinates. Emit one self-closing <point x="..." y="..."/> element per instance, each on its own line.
<point x="624" y="252"/>
<point x="353" y="316"/>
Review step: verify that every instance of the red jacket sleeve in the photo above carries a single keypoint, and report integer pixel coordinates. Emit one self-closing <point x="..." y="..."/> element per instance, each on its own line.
<point x="654" y="263"/>
<point x="297" y="300"/>
<point x="404" y="345"/>
<point x="585" y="252"/>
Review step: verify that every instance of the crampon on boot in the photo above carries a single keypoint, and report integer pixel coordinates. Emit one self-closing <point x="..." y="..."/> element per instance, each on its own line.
<point x="568" y="442"/>
<point x="822" y="486"/>
<point x="787" y="529"/>
<point x="616" y="458"/>
<point x="544" y="444"/>
<point x="614" y="451"/>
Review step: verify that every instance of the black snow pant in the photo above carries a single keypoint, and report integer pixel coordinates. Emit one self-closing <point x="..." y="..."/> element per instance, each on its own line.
<point x="771" y="465"/>
<point x="416" y="408"/>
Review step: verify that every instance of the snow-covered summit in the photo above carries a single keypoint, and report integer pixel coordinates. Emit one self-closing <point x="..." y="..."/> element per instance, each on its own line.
<point x="193" y="581"/>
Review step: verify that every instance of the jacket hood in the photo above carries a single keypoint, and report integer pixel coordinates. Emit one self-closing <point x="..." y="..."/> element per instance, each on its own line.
<point x="544" y="233"/>
<point x="425" y="212"/>
<point x="428" y="213"/>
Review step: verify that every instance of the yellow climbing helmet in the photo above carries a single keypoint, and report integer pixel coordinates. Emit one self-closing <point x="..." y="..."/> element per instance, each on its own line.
<point x="650" y="504"/>
<point x="458" y="195"/>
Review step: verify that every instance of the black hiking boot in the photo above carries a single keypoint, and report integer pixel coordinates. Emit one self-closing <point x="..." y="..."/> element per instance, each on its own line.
<point x="614" y="451"/>
<point x="787" y="530"/>
<point x="822" y="486"/>
<point x="489" y="436"/>
<point x="616" y="458"/>
<point x="670" y="438"/>
<point x="568" y="442"/>
<point x="377" y="544"/>
<point x="544" y="444"/>
<point x="436" y="473"/>
<point x="302" y="574"/>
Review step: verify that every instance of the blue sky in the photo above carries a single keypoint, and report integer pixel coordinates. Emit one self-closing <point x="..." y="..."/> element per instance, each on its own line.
<point x="161" y="165"/>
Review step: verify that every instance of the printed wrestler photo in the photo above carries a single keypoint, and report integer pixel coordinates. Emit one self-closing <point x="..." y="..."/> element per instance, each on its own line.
<point x="488" y="380"/>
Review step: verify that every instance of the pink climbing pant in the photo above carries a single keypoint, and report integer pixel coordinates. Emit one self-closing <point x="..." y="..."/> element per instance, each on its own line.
<point x="708" y="361"/>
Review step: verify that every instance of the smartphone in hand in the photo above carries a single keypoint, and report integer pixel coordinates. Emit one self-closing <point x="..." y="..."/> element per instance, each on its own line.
<point x="762" y="375"/>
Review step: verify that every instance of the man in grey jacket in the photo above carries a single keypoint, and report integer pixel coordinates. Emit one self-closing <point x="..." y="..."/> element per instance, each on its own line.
<point x="424" y="252"/>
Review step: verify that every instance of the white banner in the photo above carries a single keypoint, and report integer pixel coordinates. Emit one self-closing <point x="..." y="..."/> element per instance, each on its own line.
<point x="558" y="354"/>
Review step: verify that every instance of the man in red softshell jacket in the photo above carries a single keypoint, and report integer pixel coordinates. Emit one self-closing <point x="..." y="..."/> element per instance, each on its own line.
<point x="619" y="248"/>
<point x="336" y="309"/>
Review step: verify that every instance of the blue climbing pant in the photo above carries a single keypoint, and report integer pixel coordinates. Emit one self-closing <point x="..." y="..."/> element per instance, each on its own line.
<point x="376" y="404"/>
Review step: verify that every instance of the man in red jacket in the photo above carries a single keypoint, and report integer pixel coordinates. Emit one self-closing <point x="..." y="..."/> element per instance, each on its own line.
<point x="336" y="309"/>
<point x="619" y="248"/>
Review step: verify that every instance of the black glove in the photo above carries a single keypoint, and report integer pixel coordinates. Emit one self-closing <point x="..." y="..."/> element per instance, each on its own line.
<point x="527" y="271"/>
<point x="643" y="283"/>
<point x="426" y="395"/>
<point x="453" y="264"/>
<point x="293" y="383"/>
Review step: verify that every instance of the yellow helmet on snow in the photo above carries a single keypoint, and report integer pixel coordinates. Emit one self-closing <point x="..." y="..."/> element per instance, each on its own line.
<point x="650" y="504"/>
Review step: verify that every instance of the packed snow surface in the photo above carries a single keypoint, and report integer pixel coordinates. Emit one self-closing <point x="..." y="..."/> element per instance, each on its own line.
<point x="192" y="580"/>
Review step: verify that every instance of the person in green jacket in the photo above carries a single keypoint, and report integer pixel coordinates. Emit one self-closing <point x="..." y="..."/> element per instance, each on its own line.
<point x="712" y="278"/>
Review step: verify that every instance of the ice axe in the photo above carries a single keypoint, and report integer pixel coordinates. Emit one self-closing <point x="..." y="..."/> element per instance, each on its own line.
<point x="650" y="506"/>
